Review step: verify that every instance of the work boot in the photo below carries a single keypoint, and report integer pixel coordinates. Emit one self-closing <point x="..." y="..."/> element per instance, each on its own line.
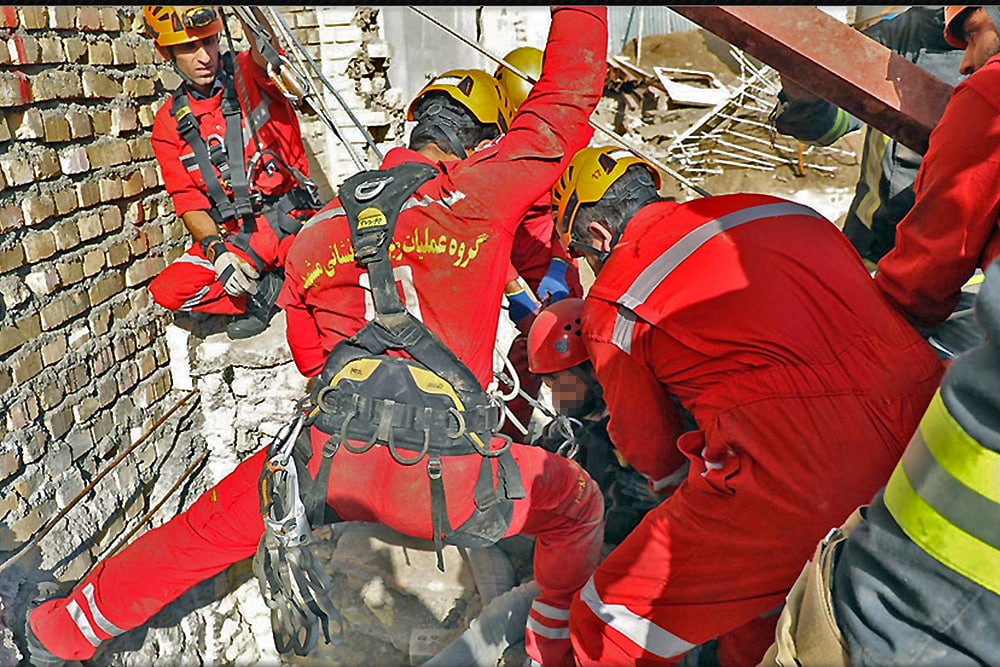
<point x="261" y="307"/>
<point x="37" y="654"/>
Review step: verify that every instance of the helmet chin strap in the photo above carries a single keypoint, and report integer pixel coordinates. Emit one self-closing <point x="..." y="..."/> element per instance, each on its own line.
<point x="440" y="118"/>
<point x="602" y="255"/>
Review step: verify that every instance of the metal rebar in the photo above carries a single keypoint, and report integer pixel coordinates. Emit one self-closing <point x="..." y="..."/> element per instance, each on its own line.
<point x="619" y="140"/>
<point x="319" y="74"/>
<point x="149" y="515"/>
<point x="48" y="525"/>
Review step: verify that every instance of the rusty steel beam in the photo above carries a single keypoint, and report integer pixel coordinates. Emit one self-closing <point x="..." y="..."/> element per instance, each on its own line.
<point x="837" y="63"/>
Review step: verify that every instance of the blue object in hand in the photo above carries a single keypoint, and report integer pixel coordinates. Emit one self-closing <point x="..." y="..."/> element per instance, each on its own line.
<point x="553" y="286"/>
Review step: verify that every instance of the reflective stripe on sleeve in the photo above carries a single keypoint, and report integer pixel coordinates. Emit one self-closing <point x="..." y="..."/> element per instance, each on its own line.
<point x="643" y="632"/>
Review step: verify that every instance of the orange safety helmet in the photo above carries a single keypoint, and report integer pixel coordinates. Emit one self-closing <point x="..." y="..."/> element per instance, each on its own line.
<point x="555" y="340"/>
<point x="587" y="178"/>
<point x="953" y="27"/>
<point x="528" y="59"/>
<point x="170" y="25"/>
<point x="475" y="90"/>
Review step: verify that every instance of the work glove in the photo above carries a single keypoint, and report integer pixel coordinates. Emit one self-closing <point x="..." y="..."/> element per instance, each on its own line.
<point x="236" y="275"/>
<point x="523" y="309"/>
<point x="553" y="286"/>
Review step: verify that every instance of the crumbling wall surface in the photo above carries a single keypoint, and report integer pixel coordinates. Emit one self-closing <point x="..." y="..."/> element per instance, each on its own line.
<point x="84" y="225"/>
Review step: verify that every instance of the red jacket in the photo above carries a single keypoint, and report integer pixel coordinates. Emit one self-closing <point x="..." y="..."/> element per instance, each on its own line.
<point x="451" y="254"/>
<point x="953" y="225"/>
<point x="276" y="122"/>
<point x="779" y="306"/>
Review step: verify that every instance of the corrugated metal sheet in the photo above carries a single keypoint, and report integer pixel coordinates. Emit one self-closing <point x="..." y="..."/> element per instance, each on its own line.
<point x="623" y="23"/>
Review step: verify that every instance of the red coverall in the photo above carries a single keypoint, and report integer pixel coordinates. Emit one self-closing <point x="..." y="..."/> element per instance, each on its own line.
<point x="189" y="283"/>
<point x="806" y="387"/>
<point x="953" y="225"/>
<point x="535" y="245"/>
<point x="451" y="258"/>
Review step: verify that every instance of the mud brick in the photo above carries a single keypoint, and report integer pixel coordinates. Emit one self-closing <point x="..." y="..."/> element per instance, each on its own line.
<point x="39" y="245"/>
<point x="34" y="17"/>
<point x="25" y="329"/>
<point x="99" y="53"/>
<point x="12" y="258"/>
<point x="74" y="160"/>
<point x="6" y="380"/>
<point x="51" y="395"/>
<point x="123" y="121"/>
<point x="76" y="50"/>
<point x="111" y="219"/>
<point x="93" y="262"/>
<point x="100" y="321"/>
<point x="55" y="127"/>
<point x="52" y="50"/>
<point x="54" y="350"/>
<point x="70" y="271"/>
<point x="88" y="193"/>
<point x="100" y="86"/>
<point x="144" y="54"/>
<point x="90" y="226"/>
<point x="132" y="184"/>
<point x="15" y="90"/>
<point x="43" y="282"/>
<point x="59" y="422"/>
<point x="139" y="244"/>
<point x="26" y="124"/>
<point x="150" y="176"/>
<point x="101" y="120"/>
<point x="108" y="152"/>
<point x="141" y="271"/>
<point x="85" y="409"/>
<point x="62" y="308"/>
<point x="22" y="413"/>
<point x="146" y="115"/>
<point x="118" y="253"/>
<point x="62" y="17"/>
<point x="65" y="201"/>
<point x="80" y="125"/>
<point x="5" y="134"/>
<point x="67" y="234"/>
<point x="24" y="50"/>
<point x="55" y="85"/>
<point x="121" y="52"/>
<point x="8" y="16"/>
<point x="106" y="287"/>
<point x="11" y="217"/>
<point x="109" y="19"/>
<point x="137" y="87"/>
<point x="88" y="18"/>
<point x="140" y="148"/>
<point x="38" y="208"/>
<point x="16" y="168"/>
<point x="46" y="163"/>
<point x="111" y="188"/>
<point x="27" y="367"/>
<point x="102" y="361"/>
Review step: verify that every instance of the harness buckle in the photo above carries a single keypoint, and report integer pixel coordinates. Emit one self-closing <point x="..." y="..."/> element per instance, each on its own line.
<point x="434" y="468"/>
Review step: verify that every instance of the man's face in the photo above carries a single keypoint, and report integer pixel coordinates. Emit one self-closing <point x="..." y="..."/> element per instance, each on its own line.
<point x="199" y="61"/>
<point x="983" y="41"/>
<point x="571" y="396"/>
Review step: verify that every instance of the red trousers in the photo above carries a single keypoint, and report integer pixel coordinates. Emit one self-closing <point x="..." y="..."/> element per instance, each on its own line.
<point x="563" y="510"/>
<point x="189" y="283"/>
<point x="768" y="480"/>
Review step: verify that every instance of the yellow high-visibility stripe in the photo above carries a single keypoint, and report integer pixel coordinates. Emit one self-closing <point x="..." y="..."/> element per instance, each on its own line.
<point x="946" y="543"/>
<point x="958" y="453"/>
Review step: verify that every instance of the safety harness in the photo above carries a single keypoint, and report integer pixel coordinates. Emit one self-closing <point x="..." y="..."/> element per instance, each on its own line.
<point x="224" y="155"/>
<point x="428" y="406"/>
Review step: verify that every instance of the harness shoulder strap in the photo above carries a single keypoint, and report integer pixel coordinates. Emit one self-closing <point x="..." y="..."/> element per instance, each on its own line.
<point x="187" y="127"/>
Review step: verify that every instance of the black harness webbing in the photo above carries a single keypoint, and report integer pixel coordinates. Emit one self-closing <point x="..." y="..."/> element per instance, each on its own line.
<point x="229" y="158"/>
<point x="401" y="406"/>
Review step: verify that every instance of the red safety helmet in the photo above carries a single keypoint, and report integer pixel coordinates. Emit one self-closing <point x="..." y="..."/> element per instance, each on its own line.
<point x="954" y="21"/>
<point x="555" y="341"/>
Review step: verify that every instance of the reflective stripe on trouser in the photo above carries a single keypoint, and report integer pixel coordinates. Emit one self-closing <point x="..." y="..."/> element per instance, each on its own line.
<point x="944" y="495"/>
<point x="807" y="634"/>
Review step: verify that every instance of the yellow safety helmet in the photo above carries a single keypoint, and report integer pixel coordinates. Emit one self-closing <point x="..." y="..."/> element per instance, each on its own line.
<point x="586" y="180"/>
<point x="953" y="26"/>
<point x="475" y="90"/>
<point x="170" y="25"/>
<point x="528" y="59"/>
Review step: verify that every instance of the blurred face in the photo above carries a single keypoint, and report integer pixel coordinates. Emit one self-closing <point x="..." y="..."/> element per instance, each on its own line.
<point x="983" y="41"/>
<point x="199" y="61"/>
<point x="571" y="396"/>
